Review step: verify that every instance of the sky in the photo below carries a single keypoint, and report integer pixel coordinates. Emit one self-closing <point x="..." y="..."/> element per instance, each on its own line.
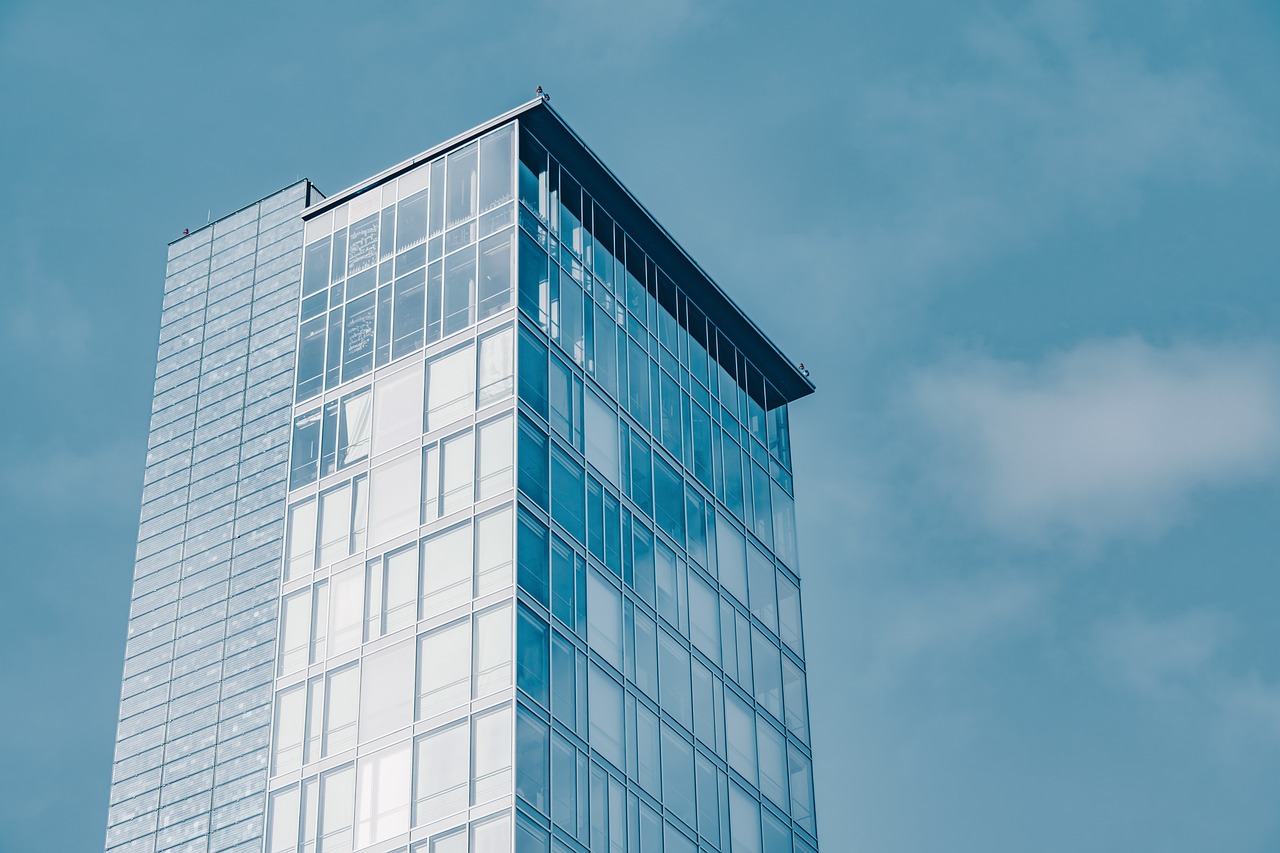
<point x="1027" y="250"/>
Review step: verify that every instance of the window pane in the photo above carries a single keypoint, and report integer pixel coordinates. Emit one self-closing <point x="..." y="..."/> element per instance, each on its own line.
<point x="496" y="380"/>
<point x="491" y="748"/>
<point x="801" y="790"/>
<point x="568" y="500"/>
<point x="602" y="437"/>
<point x="704" y="617"/>
<point x="461" y="189"/>
<point x="744" y="821"/>
<point x="302" y="539"/>
<point x="306" y="449"/>
<point x="397" y="409"/>
<point x="354" y="429"/>
<point x="497" y="457"/>
<point x="282" y="831"/>
<point x="451" y="380"/>
<point x="604" y="618"/>
<point x="767" y="672"/>
<point x="673" y="672"/>
<point x="533" y="656"/>
<point x="442" y="773"/>
<point x="337" y="795"/>
<point x="400" y="590"/>
<point x="731" y="558"/>
<point x="459" y="290"/>
<point x="446" y="570"/>
<point x="386" y="691"/>
<point x="382" y="795"/>
<point x="677" y="775"/>
<point x="342" y="700"/>
<point x="764" y="594"/>
<point x="335" y="524"/>
<point x="605" y="714"/>
<point x="531" y="759"/>
<point x="495" y="274"/>
<point x="533" y="462"/>
<point x="458" y="458"/>
<point x="740" y="733"/>
<point x="789" y="614"/>
<point x="772" y="749"/>
<point x="493" y="650"/>
<point x="493" y="551"/>
<point x="286" y="740"/>
<point x="497" y="153"/>
<point x="394" y="498"/>
<point x="793" y="693"/>
<point x="444" y="669"/>
<point x="295" y="631"/>
<point x="347" y="603"/>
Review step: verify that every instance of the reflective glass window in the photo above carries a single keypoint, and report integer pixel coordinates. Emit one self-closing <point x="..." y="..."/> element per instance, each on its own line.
<point x="444" y="668"/>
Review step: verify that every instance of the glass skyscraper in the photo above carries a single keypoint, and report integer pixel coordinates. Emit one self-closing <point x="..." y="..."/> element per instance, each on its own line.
<point x="467" y="525"/>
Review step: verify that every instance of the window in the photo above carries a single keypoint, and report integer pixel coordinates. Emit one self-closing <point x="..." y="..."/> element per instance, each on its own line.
<point x="495" y="274"/>
<point x="492" y="835"/>
<point x="282" y="825"/>
<point x="497" y="457"/>
<point x="670" y="575"/>
<point x="442" y="773"/>
<point x="295" y="625"/>
<point x="744" y="821"/>
<point x="673" y="674"/>
<point x="532" y="738"/>
<point x="335" y="524"/>
<point x="532" y="556"/>
<point x="534" y="472"/>
<point x="286" y="739"/>
<point x="446" y="570"/>
<point x="496" y="380"/>
<point x="568" y="506"/>
<point x="793" y="696"/>
<point x="740" y="734"/>
<point x="386" y="691"/>
<point x="601" y="437"/>
<point x="347" y="604"/>
<point x="461" y="187"/>
<point x="709" y="786"/>
<point x="704" y="617"/>
<point x="458" y="472"/>
<point x="394" y="498"/>
<point x="451" y="385"/>
<point x="801" y="772"/>
<point x="397" y="403"/>
<point x="306" y="449"/>
<point x="605" y="715"/>
<point x="532" y="655"/>
<point x="382" y="795"/>
<point x="493" y="551"/>
<point x="764" y="594"/>
<point x="342" y="700"/>
<point x="337" y="812"/>
<point x="767" y="673"/>
<point x="771" y="746"/>
<point x="784" y="526"/>
<point x="302" y="539"/>
<point x="604" y="618"/>
<point x="648" y="751"/>
<point x="789" y="614"/>
<point x="460" y="291"/>
<point x="677" y="775"/>
<point x="731" y="558"/>
<point x="444" y="669"/>
<point x="491" y="747"/>
<point x="492" y="650"/>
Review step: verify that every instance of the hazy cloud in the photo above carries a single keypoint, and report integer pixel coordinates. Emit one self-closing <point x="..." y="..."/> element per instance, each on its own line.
<point x="1108" y="439"/>
<point x="1034" y="118"/>
<point x="950" y="620"/>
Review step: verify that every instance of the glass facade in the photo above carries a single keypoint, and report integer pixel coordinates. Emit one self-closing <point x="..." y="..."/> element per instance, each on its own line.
<point x="535" y="583"/>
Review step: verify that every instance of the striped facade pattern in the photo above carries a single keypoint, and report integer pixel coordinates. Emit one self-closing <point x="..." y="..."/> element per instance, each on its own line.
<point x="190" y="772"/>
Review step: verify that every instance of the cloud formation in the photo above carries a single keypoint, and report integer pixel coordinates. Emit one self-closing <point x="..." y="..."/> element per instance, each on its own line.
<point x="1111" y="438"/>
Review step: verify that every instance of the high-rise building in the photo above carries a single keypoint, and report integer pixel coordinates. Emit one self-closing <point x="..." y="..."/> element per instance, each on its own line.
<point x="467" y="525"/>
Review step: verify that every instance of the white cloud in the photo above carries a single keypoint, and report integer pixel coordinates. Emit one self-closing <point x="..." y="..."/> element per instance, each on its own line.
<point x="1181" y="664"/>
<point x="1111" y="438"/>
<point x="1036" y="118"/>
<point x="1157" y="656"/>
<point x="950" y="621"/>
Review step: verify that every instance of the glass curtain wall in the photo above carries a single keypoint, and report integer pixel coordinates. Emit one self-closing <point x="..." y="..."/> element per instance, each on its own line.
<point x="393" y="722"/>
<point x="661" y="700"/>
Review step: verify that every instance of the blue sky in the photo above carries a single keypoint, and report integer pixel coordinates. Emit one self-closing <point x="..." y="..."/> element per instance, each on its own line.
<point x="1027" y="249"/>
